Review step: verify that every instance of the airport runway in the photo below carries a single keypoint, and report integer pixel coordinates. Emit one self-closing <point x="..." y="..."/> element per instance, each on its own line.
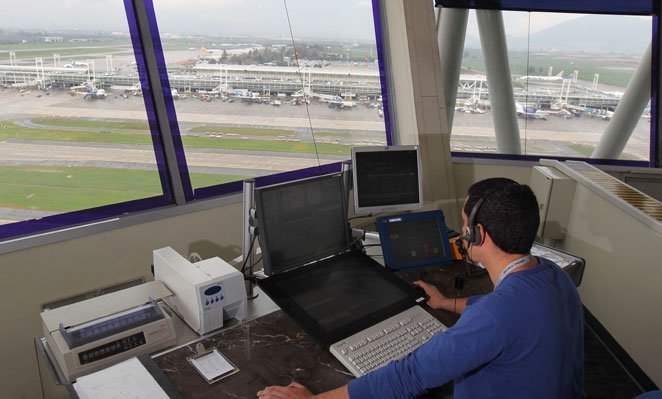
<point x="550" y="135"/>
<point x="59" y="153"/>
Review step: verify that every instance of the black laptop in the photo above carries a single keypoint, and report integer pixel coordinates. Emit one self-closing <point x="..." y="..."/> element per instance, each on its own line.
<point x="328" y="286"/>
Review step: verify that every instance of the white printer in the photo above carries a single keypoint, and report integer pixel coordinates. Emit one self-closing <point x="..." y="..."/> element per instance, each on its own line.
<point x="93" y="334"/>
<point x="205" y="292"/>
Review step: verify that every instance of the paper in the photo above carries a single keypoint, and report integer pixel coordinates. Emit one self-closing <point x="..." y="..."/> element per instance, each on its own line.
<point x="126" y="380"/>
<point x="212" y="365"/>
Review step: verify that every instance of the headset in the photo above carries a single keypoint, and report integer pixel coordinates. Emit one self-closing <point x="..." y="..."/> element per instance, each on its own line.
<point x="473" y="236"/>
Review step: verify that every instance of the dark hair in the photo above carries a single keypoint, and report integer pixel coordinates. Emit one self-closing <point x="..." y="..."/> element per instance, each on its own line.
<point x="508" y="213"/>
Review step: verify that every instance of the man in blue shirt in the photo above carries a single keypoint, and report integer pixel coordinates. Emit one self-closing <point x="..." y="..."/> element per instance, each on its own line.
<point x="523" y="340"/>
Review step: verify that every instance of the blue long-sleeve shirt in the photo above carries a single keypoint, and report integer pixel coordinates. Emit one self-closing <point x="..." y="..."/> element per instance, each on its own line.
<point x="523" y="340"/>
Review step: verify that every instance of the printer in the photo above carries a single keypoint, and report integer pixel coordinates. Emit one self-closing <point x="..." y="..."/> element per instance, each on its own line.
<point x="93" y="334"/>
<point x="205" y="293"/>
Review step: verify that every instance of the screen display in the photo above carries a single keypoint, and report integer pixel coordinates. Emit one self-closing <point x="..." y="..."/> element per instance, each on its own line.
<point x="386" y="179"/>
<point x="339" y="296"/>
<point x="414" y="240"/>
<point x="301" y="221"/>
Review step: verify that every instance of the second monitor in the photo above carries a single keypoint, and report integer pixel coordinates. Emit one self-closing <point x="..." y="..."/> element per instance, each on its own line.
<point x="386" y="179"/>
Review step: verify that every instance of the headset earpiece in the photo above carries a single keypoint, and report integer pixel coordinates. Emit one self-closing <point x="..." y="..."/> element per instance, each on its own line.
<point x="474" y="237"/>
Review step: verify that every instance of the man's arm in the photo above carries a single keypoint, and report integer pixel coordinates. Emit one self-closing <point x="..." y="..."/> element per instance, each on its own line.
<point x="298" y="391"/>
<point x="439" y="301"/>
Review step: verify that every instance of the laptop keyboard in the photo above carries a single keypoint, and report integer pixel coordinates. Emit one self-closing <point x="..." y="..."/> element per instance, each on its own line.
<point x="388" y="340"/>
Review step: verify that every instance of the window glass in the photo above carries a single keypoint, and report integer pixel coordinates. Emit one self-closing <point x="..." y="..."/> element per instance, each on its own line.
<point x="72" y="135"/>
<point x="568" y="73"/>
<point x="263" y="87"/>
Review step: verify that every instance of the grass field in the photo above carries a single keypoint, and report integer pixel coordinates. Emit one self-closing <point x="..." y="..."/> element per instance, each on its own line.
<point x="582" y="149"/>
<point x="66" y="189"/>
<point x="9" y="130"/>
<point x="65" y="49"/>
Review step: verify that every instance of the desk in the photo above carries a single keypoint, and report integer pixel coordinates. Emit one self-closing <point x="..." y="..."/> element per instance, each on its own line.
<point x="269" y="348"/>
<point x="274" y="350"/>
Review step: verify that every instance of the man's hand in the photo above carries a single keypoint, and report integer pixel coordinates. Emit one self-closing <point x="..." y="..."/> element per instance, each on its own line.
<point x="292" y="391"/>
<point x="437" y="299"/>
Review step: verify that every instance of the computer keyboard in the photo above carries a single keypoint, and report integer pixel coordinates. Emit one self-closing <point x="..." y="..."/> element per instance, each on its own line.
<point x="388" y="340"/>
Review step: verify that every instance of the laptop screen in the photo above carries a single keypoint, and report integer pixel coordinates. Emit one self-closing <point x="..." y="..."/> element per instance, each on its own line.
<point x="339" y="296"/>
<point x="414" y="240"/>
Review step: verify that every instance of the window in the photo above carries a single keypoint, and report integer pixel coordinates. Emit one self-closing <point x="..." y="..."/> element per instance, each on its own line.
<point x="272" y="90"/>
<point x="266" y="87"/>
<point x="73" y="138"/>
<point x="568" y="74"/>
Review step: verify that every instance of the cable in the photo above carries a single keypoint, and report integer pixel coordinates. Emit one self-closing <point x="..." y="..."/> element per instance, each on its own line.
<point x="194" y="257"/>
<point x="303" y="88"/>
<point x="364" y="216"/>
<point x="250" y="250"/>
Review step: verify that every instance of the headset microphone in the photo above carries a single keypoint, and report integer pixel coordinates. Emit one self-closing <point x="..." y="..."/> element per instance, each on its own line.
<point x="460" y="246"/>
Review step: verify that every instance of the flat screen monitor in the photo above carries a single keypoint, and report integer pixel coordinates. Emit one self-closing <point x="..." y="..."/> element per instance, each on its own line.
<point x="301" y="221"/>
<point x="386" y="179"/>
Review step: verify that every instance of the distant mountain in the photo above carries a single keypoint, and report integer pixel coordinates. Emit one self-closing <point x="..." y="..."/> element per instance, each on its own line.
<point x="591" y="33"/>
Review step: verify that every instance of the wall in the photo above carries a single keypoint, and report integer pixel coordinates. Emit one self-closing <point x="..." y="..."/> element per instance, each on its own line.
<point x="47" y="273"/>
<point x="621" y="285"/>
<point x="466" y="173"/>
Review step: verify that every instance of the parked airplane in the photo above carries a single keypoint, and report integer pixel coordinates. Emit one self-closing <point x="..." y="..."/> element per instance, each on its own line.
<point x="529" y="113"/>
<point x="534" y="78"/>
<point x="250" y="97"/>
<point x="89" y="91"/>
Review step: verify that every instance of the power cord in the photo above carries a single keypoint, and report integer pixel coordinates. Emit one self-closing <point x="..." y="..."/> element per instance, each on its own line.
<point x="194" y="257"/>
<point x="250" y="249"/>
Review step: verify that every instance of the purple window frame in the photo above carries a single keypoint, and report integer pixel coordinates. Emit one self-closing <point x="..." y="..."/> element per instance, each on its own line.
<point x="67" y="219"/>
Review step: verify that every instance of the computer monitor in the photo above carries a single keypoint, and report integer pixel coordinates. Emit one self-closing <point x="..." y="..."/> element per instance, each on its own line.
<point x="386" y="179"/>
<point x="301" y="221"/>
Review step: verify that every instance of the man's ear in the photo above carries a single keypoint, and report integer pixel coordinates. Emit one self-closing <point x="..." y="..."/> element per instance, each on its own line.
<point x="481" y="235"/>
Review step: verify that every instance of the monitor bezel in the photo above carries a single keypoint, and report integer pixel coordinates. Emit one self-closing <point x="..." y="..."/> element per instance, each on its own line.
<point x="363" y="210"/>
<point x="263" y="236"/>
<point x="383" y="223"/>
<point x="271" y="286"/>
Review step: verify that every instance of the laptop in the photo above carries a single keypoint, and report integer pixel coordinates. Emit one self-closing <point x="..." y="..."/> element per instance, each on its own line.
<point x="414" y="240"/>
<point x="331" y="288"/>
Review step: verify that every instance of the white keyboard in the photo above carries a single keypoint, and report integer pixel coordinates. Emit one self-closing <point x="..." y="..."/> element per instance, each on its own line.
<point x="388" y="340"/>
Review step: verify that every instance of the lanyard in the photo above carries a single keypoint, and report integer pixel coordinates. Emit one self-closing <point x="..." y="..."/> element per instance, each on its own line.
<point x="511" y="266"/>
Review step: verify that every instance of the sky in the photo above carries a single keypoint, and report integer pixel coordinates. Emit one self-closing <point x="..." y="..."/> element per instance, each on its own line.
<point x="334" y="19"/>
<point x="519" y="24"/>
<point x="344" y="19"/>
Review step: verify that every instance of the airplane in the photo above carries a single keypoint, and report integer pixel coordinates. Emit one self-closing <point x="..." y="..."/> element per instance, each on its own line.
<point x="340" y="103"/>
<point x="74" y="64"/>
<point x="90" y="91"/>
<point x="529" y="113"/>
<point x="250" y="97"/>
<point x="535" y="78"/>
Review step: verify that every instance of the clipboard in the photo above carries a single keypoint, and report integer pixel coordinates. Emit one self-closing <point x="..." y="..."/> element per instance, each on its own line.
<point x="211" y="364"/>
